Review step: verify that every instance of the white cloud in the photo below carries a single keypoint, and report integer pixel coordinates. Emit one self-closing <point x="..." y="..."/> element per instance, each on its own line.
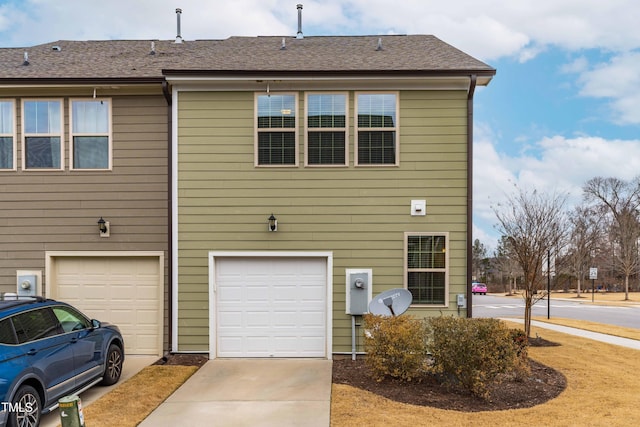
<point x="576" y="66"/>
<point x="618" y="80"/>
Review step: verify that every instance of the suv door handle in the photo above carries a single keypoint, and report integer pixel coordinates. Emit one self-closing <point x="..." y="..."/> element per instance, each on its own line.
<point x="74" y="340"/>
<point x="32" y="352"/>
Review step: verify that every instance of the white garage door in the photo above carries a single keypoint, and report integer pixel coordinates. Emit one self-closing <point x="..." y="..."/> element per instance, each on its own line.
<point x="271" y="307"/>
<point x="125" y="291"/>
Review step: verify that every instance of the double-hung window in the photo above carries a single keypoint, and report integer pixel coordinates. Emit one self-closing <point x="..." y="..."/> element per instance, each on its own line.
<point x="90" y="125"/>
<point x="377" y="129"/>
<point x="326" y="129"/>
<point x="7" y="135"/>
<point x="276" y="127"/>
<point x="42" y="126"/>
<point x="426" y="267"/>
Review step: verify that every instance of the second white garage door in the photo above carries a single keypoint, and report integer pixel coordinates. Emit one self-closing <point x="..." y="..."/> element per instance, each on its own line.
<point x="271" y="307"/>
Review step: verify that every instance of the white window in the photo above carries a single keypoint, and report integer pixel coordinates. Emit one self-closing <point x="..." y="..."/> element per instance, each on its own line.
<point x="276" y="128"/>
<point x="7" y="135"/>
<point x="426" y="266"/>
<point x="327" y="143"/>
<point x="90" y="129"/>
<point x="43" y="142"/>
<point x="377" y="129"/>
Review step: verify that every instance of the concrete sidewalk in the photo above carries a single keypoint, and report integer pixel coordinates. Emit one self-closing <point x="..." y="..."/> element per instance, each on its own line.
<point x="250" y="392"/>
<point x="610" y="339"/>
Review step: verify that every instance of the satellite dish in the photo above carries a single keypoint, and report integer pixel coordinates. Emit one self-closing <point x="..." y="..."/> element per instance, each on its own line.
<point x="393" y="302"/>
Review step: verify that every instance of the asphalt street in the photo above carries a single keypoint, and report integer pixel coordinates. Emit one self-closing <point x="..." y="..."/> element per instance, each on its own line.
<point x="502" y="306"/>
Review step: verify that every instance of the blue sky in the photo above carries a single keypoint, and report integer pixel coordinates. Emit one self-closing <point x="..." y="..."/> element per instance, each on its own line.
<point x="564" y="106"/>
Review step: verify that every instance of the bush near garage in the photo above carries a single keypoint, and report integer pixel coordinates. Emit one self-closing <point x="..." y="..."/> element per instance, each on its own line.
<point x="475" y="353"/>
<point x="396" y="347"/>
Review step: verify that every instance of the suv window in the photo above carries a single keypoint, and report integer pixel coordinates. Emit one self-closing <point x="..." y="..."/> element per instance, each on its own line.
<point x="70" y="319"/>
<point x="7" y="336"/>
<point x="35" y="324"/>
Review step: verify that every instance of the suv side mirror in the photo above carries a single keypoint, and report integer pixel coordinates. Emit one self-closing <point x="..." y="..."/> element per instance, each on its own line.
<point x="95" y="324"/>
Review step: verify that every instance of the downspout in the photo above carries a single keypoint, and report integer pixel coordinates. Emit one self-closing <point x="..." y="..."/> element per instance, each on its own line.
<point x="472" y="89"/>
<point x="169" y="259"/>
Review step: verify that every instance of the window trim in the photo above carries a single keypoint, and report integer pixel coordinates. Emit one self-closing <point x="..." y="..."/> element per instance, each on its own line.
<point x="25" y="135"/>
<point x="294" y="129"/>
<point x="13" y="135"/>
<point x="109" y="134"/>
<point x="445" y="270"/>
<point x="395" y="129"/>
<point x="321" y="129"/>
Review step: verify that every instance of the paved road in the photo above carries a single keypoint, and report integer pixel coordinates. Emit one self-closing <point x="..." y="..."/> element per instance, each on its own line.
<point x="500" y="306"/>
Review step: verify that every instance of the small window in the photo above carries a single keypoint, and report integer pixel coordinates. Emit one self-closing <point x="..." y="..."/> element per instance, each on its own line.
<point x="90" y="126"/>
<point x="276" y="126"/>
<point x="7" y="135"/>
<point x="426" y="266"/>
<point x="377" y="129"/>
<point x="35" y="324"/>
<point x="7" y="336"/>
<point x="42" y="128"/>
<point x="326" y="130"/>
<point x="70" y="320"/>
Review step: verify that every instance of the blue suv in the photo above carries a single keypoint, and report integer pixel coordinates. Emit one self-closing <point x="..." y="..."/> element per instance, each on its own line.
<point x="49" y="350"/>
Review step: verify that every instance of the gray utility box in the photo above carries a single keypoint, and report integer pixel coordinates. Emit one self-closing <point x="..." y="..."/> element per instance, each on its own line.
<point x="358" y="290"/>
<point x="27" y="285"/>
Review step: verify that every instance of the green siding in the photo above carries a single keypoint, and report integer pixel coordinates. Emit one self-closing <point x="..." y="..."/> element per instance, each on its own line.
<point x="358" y="213"/>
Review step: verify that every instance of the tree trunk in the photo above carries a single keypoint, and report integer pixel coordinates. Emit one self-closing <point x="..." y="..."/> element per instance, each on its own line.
<point x="527" y="314"/>
<point x="579" y="282"/>
<point x="626" y="287"/>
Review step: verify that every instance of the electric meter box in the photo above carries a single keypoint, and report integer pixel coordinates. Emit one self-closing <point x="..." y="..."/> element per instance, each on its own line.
<point x="28" y="283"/>
<point x="358" y="290"/>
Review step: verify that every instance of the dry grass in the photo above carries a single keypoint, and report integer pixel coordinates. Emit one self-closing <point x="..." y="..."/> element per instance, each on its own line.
<point x="132" y="401"/>
<point x="600" y="392"/>
<point x="586" y="325"/>
<point x="600" y="298"/>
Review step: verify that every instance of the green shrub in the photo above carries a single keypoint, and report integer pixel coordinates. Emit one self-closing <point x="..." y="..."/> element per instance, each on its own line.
<point x="395" y="347"/>
<point x="474" y="353"/>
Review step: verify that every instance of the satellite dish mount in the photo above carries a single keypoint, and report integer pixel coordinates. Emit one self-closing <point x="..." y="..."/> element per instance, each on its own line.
<point x="393" y="302"/>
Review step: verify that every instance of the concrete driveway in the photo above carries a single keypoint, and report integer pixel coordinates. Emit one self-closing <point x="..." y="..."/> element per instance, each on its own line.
<point x="250" y="392"/>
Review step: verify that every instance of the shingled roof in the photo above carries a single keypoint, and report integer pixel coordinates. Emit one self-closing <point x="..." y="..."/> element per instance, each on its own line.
<point x="135" y="59"/>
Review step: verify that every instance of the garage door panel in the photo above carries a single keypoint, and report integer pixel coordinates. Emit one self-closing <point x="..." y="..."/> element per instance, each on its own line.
<point x="278" y="307"/>
<point x="256" y="294"/>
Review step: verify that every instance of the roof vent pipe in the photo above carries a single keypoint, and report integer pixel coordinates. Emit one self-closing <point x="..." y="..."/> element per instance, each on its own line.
<point x="178" y="14"/>
<point x="26" y="58"/>
<point x="299" y="35"/>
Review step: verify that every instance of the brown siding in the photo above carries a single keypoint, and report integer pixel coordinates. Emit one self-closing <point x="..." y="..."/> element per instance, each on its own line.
<point x="58" y="210"/>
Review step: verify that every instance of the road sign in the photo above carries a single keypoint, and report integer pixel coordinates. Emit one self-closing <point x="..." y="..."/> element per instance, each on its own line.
<point x="593" y="273"/>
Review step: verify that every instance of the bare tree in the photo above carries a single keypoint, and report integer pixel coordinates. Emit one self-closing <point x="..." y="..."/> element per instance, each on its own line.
<point x="586" y="231"/>
<point x="621" y="199"/>
<point x="478" y="257"/>
<point x="534" y="223"/>
<point x="507" y="263"/>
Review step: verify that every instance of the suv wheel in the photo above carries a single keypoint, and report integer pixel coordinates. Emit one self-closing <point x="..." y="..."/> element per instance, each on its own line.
<point x="113" y="368"/>
<point x="26" y="408"/>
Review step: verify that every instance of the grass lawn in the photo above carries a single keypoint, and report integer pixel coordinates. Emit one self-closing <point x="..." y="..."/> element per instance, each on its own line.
<point x="602" y="390"/>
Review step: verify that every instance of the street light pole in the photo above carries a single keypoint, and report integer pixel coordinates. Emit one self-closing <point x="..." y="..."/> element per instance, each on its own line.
<point x="548" y="284"/>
